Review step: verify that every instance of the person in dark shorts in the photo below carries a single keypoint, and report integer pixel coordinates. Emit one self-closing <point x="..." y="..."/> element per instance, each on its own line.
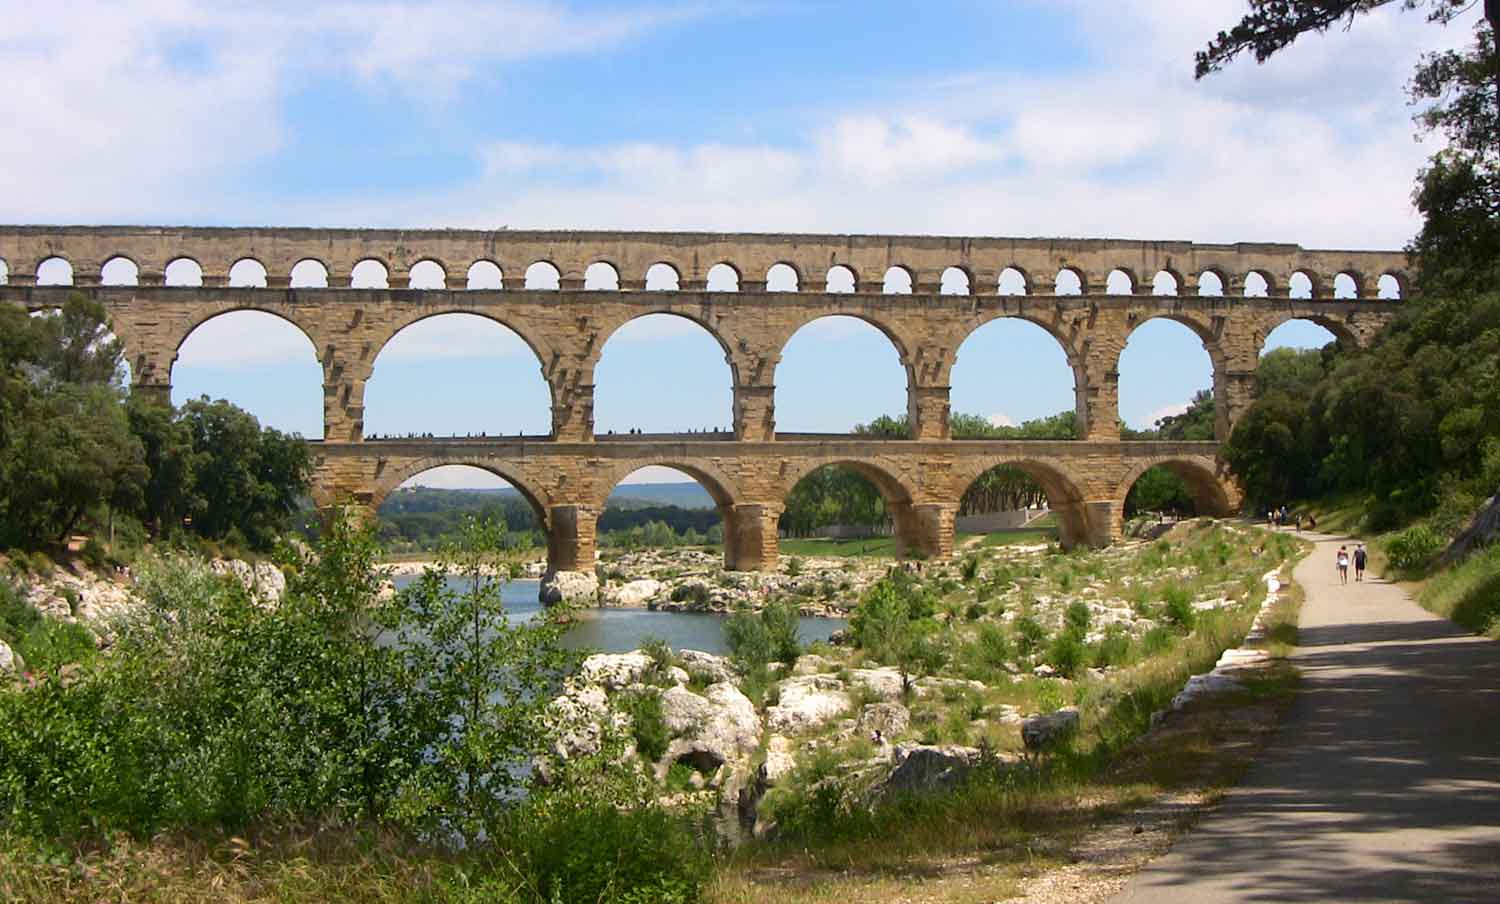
<point x="1360" y="558"/>
<point x="1343" y="563"/>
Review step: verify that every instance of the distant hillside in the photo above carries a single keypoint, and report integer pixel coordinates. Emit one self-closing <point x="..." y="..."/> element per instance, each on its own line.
<point x="683" y="495"/>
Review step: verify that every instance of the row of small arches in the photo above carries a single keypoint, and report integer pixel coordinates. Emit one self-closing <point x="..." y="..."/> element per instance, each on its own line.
<point x="781" y="277"/>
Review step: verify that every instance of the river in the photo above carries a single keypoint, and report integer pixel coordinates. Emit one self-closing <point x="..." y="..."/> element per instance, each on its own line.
<point x="620" y="630"/>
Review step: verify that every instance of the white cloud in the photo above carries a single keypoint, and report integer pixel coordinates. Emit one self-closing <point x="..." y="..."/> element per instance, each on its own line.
<point x="1150" y="420"/>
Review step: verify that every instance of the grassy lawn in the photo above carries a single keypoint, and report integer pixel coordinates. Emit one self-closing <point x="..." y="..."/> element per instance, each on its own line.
<point x="819" y="546"/>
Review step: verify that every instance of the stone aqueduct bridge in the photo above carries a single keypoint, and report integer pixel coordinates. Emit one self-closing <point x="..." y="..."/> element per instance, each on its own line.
<point x="568" y="475"/>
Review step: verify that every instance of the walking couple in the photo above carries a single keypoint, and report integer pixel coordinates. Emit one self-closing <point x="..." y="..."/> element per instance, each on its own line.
<point x="1360" y="558"/>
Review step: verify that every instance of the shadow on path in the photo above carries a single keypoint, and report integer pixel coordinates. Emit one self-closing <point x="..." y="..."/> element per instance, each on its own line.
<point x="1384" y="783"/>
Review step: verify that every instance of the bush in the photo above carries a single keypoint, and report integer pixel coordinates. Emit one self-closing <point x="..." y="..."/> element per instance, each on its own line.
<point x="16" y="615"/>
<point x="50" y="644"/>
<point x="694" y="593"/>
<point x="1113" y="649"/>
<point x="1066" y="654"/>
<point x="969" y="569"/>
<point x="770" y="635"/>
<point x="1078" y="618"/>
<point x="1157" y="640"/>
<point x="587" y="853"/>
<point x="1414" y="548"/>
<point x="1177" y="608"/>
<point x="1030" y="635"/>
<point x="646" y="723"/>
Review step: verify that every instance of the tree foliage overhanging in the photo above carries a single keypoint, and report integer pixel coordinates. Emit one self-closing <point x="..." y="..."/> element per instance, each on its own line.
<point x="75" y="448"/>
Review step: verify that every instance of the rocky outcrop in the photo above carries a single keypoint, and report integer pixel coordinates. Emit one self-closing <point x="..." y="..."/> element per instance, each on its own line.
<point x="925" y="768"/>
<point x="806" y="703"/>
<point x="706" y="666"/>
<point x="779" y="761"/>
<point x="889" y="719"/>
<point x="10" y="660"/>
<point x="634" y="593"/>
<point x="716" y="728"/>
<point x="615" y="671"/>
<point x="263" y="580"/>
<point x="569" y="587"/>
<point x="1047" y="730"/>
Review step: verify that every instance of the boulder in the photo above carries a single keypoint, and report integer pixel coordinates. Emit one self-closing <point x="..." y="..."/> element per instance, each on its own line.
<point x="264" y="580"/>
<point x="884" y="682"/>
<point x="719" y="727"/>
<point x="10" y="660"/>
<point x="779" y="760"/>
<point x="1046" y="730"/>
<point x="569" y="587"/>
<point x="735" y="722"/>
<point x="812" y="664"/>
<point x="684" y="712"/>
<point x="925" y="768"/>
<point x="806" y="703"/>
<point x="635" y="593"/>
<point x="614" y="671"/>
<point x="576" y="719"/>
<point x="890" y="719"/>
<point x="707" y="665"/>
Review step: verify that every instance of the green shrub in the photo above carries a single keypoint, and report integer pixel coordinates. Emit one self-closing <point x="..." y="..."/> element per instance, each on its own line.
<point x="1414" y="548"/>
<point x="1078" y="618"/>
<point x="755" y="639"/>
<point x="1030" y="635"/>
<point x="1114" y="648"/>
<point x="16" y="615"/>
<point x="51" y="644"/>
<point x="1177" y="607"/>
<point x="588" y="853"/>
<point x="1066" y="654"/>
<point x="794" y="566"/>
<point x="1157" y="640"/>
<point x="646" y="722"/>
<point x="969" y="569"/>
<point x="694" y="593"/>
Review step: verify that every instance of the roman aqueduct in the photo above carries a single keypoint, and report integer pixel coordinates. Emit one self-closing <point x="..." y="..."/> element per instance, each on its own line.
<point x="1087" y="294"/>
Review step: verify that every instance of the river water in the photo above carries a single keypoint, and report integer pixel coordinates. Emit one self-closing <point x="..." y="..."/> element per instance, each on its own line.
<point x="620" y="630"/>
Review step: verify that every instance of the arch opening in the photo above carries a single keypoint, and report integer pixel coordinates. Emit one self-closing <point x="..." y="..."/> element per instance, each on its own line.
<point x="427" y="275"/>
<point x="841" y="500"/>
<point x="369" y="274"/>
<point x="4" y="272"/>
<point x="1257" y="285"/>
<point x="1345" y="287"/>
<point x="1300" y="334"/>
<point x="1015" y="497"/>
<point x="1164" y="283"/>
<point x="723" y="278"/>
<point x="663" y="373"/>
<point x="1388" y="287"/>
<point x="257" y="360"/>
<point x="955" y="282"/>
<point x="309" y="274"/>
<point x="248" y="273"/>
<point x="1165" y="373"/>
<point x="456" y="375"/>
<point x="662" y="506"/>
<point x="484" y="275"/>
<point x="429" y="507"/>
<point x="1174" y="488"/>
<point x="662" y="277"/>
<point x="782" y="278"/>
<point x="601" y="276"/>
<point x="1068" y="283"/>
<point x="1119" y="283"/>
<point x="54" y="271"/>
<point x="1012" y="377"/>
<point x="1210" y="284"/>
<point x="840" y="279"/>
<point x="543" y="276"/>
<point x="1012" y="282"/>
<point x="1300" y="285"/>
<point x="120" y="271"/>
<point x="183" y="271"/>
<point x="897" y="281"/>
<point x="838" y="372"/>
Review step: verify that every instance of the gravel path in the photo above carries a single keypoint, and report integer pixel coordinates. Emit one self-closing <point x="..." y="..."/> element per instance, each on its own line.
<point x="1384" y="783"/>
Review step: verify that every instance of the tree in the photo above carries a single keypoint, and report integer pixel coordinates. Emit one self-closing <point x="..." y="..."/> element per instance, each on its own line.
<point x="170" y="490"/>
<point x="247" y="481"/>
<point x="1272" y="25"/>
<point x="892" y="625"/>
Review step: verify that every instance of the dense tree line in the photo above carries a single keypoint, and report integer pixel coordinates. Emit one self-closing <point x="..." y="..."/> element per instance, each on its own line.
<point x="77" y="451"/>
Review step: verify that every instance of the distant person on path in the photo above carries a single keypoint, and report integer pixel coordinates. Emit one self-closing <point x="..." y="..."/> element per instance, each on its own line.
<point x="1343" y="560"/>
<point x="1360" y="558"/>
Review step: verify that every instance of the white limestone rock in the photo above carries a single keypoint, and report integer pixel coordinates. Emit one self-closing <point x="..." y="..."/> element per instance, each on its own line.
<point x="615" y="671"/>
<point x="569" y="587"/>
<point x="10" y="660"/>
<point x="812" y="664"/>
<point x="635" y="593"/>
<point x="807" y="702"/>
<point x="779" y="760"/>
<point x="713" y="668"/>
<point x="890" y="719"/>
<point x="925" y="768"/>
<point x="884" y="682"/>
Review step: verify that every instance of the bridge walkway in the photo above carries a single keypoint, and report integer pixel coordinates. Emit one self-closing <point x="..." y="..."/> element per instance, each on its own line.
<point x="1384" y="784"/>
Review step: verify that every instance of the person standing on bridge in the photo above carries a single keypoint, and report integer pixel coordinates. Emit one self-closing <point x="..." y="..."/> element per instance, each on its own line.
<point x="1343" y="560"/>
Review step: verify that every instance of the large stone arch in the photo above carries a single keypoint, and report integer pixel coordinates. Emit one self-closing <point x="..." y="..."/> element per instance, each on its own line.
<point x="388" y="478"/>
<point x="922" y="525"/>
<point x="1340" y="327"/>
<point x="608" y="330"/>
<point x="902" y="344"/>
<point x="1207" y="330"/>
<point x="721" y="487"/>
<point x="1213" y="490"/>
<point x="1066" y="491"/>
<point x="201" y="316"/>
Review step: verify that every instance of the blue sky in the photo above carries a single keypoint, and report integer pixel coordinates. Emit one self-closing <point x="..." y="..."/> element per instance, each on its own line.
<point x="1070" y="117"/>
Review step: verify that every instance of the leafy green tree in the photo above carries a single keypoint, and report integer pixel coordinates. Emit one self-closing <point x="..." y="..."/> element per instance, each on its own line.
<point x="170" y="490"/>
<point x="893" y="624"/>
<point x="75" y="345"/>
<point x="487" y="678"/>
<point x="247" y="480"/>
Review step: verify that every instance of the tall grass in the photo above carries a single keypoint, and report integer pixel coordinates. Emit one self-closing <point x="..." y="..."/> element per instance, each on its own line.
<point x="1469" y="593"/>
